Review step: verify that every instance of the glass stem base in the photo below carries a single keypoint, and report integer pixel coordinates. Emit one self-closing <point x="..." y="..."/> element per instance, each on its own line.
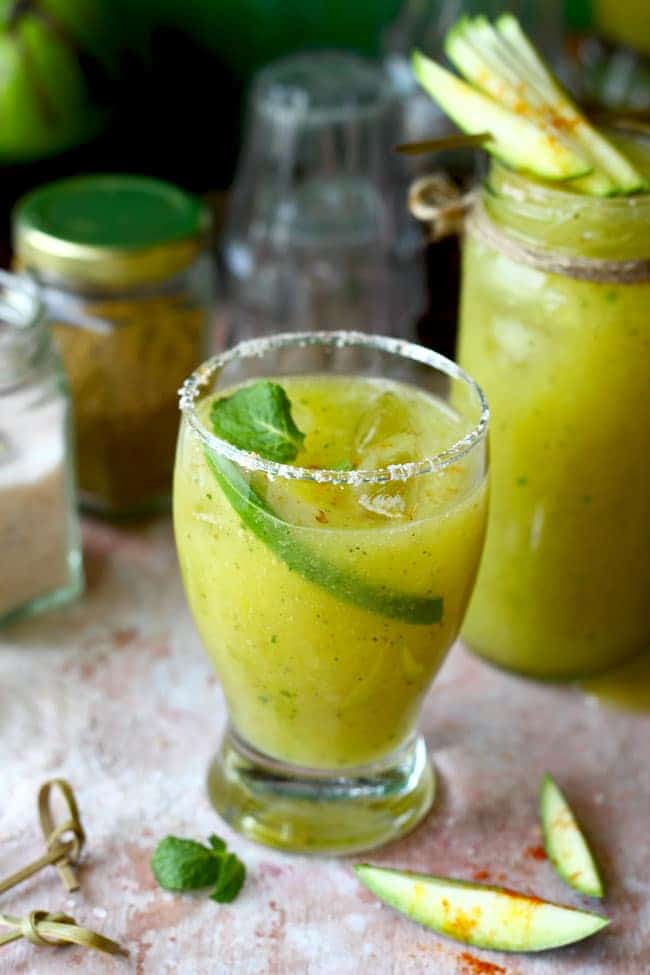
<point x="332" y="812"/>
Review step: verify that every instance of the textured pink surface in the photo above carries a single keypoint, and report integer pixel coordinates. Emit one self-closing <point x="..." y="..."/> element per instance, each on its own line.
<point x="115" y="694"/>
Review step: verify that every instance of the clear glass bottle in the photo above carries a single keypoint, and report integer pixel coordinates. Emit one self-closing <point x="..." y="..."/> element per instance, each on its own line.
<point x="40" y="552"/>
<point x="555" y="325"/>
<point x="130" y="286"/>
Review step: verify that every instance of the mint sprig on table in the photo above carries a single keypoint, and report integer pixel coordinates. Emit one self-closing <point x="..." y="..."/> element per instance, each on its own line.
<point x="182" y="865"/>
<point x="273" y="433"/>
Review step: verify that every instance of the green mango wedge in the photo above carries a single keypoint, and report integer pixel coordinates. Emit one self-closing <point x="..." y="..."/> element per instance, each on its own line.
<point x="477" y="914"/>
<point x="565" y="843"/>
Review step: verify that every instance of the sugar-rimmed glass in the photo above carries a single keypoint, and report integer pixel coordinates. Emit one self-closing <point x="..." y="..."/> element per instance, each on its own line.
<point x="327" y="598"/>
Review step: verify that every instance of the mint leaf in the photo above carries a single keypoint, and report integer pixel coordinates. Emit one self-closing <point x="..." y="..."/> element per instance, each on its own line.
<point x="179" y="864"/>
<point x="217" y="843"/>
<point x="258" y="418"/>
<point x="231" y="879"/>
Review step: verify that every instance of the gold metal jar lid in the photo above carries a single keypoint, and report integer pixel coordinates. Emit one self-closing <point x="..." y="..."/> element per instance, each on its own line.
<point x="108" y="231"/>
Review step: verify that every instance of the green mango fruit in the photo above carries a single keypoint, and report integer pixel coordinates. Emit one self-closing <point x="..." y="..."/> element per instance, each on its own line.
<point x="48" y="50"/>
<point x="90" y="25"/>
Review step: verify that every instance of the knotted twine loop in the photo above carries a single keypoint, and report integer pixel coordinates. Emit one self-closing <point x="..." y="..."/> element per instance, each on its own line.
<point x="56" y="930"/>
<point x="42" y="927"/>
<point x="62" y="853"/>
<point x="437" y="201"/>
<point x="29" y="927"/>
<point x="70" y="850"/>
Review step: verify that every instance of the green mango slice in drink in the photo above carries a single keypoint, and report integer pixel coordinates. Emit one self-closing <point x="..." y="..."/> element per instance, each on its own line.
<point x="342" y="583"/>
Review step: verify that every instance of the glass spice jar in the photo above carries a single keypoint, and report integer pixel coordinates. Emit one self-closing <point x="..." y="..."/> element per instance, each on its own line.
<point x="130" y="285"/>
<point x="40" y="553"/>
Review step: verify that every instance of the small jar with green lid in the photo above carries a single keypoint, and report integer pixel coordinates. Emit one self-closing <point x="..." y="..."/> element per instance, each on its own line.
<point x="124" y="266"/>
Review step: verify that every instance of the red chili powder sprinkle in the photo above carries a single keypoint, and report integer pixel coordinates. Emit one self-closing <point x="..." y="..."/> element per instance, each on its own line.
<point x="536" y="852"/>
<point x="519" y="896"/>
<point x="478" y="967"/>
<point x="481" y="875"/>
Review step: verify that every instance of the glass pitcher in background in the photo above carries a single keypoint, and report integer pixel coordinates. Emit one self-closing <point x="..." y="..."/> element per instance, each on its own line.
<point x="311" y="237"/>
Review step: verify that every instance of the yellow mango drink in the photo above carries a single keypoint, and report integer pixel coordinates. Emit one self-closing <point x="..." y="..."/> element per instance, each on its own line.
<point x="327" y="591"/>
<point x="555" y="324"/>
<point x="316" y="679"/>
<point x="560" y="342"/>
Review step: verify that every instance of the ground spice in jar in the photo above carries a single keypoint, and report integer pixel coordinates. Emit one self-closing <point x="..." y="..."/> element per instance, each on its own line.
<point x="124" y="386"/>
<point x="126" y="274"/>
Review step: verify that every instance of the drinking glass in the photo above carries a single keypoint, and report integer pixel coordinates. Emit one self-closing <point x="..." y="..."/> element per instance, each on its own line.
<point x="314" y="233"/>
<point x="326" y="597"/>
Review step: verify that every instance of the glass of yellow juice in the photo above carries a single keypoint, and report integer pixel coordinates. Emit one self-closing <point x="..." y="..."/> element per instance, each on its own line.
<point x="555" y="325"/>
<point x="328" y="590"/>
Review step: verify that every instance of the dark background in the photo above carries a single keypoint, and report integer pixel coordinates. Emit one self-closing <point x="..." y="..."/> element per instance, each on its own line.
<point x="165" y="81"/>
<point x="172" y="85"/>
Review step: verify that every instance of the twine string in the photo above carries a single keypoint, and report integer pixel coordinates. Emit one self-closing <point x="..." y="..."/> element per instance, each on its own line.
<point x="64" y="843"/>
<point x="70" y="851"/>
<point x="55" y="930"/>
<point x="438" y="202"/>
<point x="598" y="270"/>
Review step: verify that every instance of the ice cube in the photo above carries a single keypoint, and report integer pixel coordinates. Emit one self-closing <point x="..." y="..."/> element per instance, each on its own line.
<point x="385" y="436"/>
<point x="395" y="498"/>
<point x="387" y="500"/>
<point x="386" y="416"/>
<point x="398" y="448"/>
